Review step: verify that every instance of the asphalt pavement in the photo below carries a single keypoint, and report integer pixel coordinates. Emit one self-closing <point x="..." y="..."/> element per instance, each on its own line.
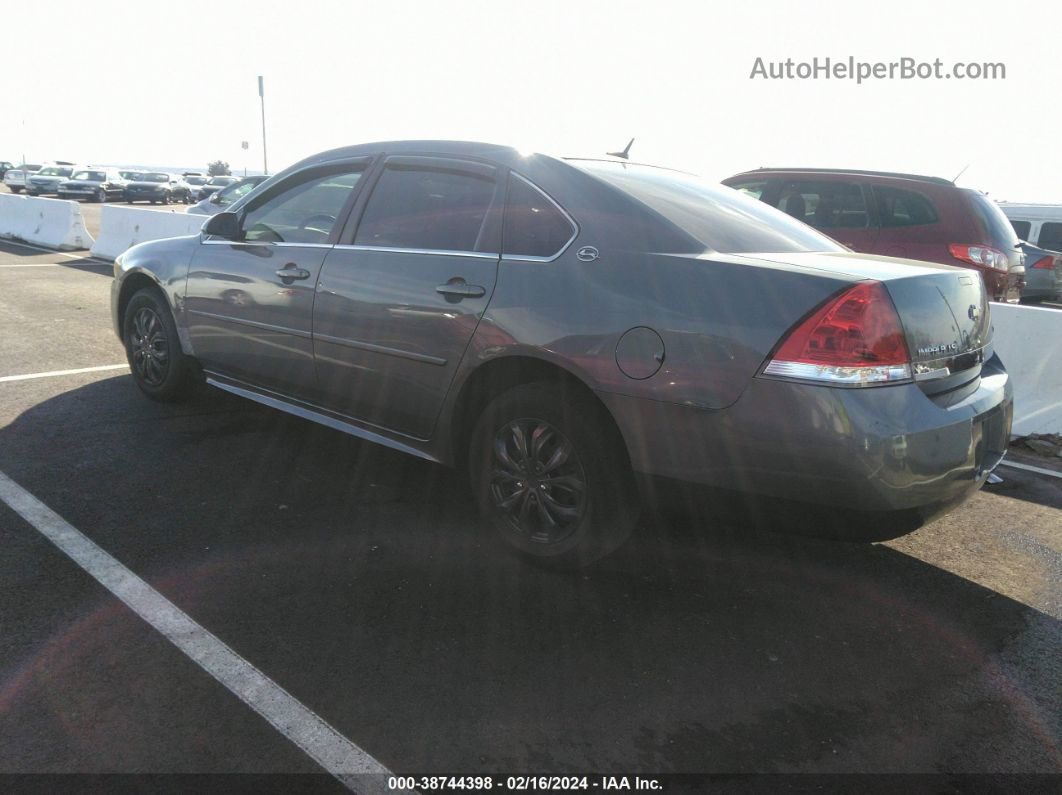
<point x="359" y="581"/>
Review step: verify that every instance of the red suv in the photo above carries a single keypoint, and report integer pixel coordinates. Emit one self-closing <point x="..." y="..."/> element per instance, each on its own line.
<point x="899" y="215"/>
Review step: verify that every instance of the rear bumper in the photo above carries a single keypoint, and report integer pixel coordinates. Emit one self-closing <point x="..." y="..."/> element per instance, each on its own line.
<point x="879" y="449"/>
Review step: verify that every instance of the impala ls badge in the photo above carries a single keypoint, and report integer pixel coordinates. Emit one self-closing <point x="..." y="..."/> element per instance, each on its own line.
<point x="973" y="312"/>
<point x="587" y="253"/>
<point x="947" y="347"/>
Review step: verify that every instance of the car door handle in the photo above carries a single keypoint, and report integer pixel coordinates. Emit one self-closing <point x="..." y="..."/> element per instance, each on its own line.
<point x="458" y="288"/>
<point x="290" y="271"/>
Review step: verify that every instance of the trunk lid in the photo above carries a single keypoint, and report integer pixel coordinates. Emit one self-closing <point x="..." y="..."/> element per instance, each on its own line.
<point x="943" y="309"/>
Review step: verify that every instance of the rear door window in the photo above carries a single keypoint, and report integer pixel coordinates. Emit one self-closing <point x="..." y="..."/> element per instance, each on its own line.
<point x="534" y="225"/>
<point x="898" y="207"/>
<point x="824" y="204"/>
<point x="429" y="204"/>
<point x="1051" y="236"/>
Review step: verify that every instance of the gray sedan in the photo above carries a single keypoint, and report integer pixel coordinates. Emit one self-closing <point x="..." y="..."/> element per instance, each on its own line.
<point x="566" y="330"/>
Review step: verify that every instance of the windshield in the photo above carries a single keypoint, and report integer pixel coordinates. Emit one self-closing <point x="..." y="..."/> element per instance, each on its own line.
<point x="195" y="180"/>
<point x="90" y="176"/>
<point x="54" y="171"/>
<point x="221" y="180"/>
<point x="721" y="218"/>
<point x="154" y="178"/>
<point x="237" y="191"/>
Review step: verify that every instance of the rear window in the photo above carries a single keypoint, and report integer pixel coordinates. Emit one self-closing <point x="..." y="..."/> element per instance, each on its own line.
<point x="1000" y="233"/>
<point x="723" y="219"/>
<point x="1022" y="229"/>
<point x="898" y="207"/>
<point x="90" y="176"/>
<point x="1051" y="236"/>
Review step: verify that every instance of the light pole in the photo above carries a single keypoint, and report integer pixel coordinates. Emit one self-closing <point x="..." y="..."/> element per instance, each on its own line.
<point x="261" y="95"/>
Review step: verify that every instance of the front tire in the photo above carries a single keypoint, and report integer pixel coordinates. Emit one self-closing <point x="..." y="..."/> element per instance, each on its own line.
<point x="160" y="369"/>
<point x="551" y="475"/>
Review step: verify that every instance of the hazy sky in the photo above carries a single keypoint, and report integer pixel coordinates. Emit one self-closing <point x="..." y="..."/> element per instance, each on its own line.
<point x="174" y="83"/>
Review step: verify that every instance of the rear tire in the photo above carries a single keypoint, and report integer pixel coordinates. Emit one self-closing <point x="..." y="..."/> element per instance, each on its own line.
<point x="551" y="476"/>
<point x="153" y="349"/>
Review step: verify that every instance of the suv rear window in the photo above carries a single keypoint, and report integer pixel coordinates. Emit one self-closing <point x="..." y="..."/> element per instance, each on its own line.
<point x="824" y="204"/>
<point x="721" y="218"/>
<point x="898" y="207"/>
<point x="1022" y="229"/>
<point x="1051" y="236"/>
<point x="1000" y="233"/>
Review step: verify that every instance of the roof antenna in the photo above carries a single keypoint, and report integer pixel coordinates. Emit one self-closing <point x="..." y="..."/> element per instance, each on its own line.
<point x="956" y="179"/>
<point x="625" y="154"/>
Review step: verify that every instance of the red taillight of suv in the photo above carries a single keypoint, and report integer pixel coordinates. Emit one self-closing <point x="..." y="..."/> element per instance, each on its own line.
<point x="854" y="339"/>
<point x="1045" y="263"/>
<point x="985" y="256"/>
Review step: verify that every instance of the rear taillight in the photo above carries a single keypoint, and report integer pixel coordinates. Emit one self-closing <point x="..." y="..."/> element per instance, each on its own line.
<point x="985" y="256"/>
<point x="854" y="339"/>
<point x="1045" y="263"/>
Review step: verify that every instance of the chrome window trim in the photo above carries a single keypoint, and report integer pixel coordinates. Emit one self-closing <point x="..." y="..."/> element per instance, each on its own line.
<point x="438" y="251"/>
<point x="212" y="241"/>
<point x="567" y="216"/>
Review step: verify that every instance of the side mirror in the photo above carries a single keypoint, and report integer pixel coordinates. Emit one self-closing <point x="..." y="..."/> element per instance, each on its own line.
<point x="223" y="225"/>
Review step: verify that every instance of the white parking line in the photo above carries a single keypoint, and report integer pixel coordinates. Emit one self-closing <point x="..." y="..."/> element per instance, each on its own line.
<point x="99" y="369"/>
<point x="1031" y="468"/>
<point x="326" y="746"/>
<point x="31" y="265"/>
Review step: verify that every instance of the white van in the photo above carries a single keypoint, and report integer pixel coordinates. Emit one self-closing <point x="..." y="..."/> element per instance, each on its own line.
<point x="1039" y="224"/>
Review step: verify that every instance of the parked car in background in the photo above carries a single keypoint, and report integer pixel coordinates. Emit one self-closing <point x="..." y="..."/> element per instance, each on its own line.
<point x="15" y="178"/>
<point x="155" y="187"/>
<point x="4" y="166"/>
<point x="1040" y="224"/>
<point x="195" y="182"/>
<point x="554" y="326"/>
<point x="46" y="181"/>
<point x="214" y="184"/>
<point x="1043" y="274"/>
<point x="898" y="215"/>
<point x="216" y="202"/>
<point x="96" y="184"/>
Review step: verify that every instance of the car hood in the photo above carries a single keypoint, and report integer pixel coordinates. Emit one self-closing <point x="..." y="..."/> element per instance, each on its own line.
<point x="82" y="183"/>
<point x="137" y="184"/>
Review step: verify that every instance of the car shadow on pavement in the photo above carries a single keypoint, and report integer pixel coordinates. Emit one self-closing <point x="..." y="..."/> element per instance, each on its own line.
<point x="60" y="259"/>
<point x="360" y="579"/>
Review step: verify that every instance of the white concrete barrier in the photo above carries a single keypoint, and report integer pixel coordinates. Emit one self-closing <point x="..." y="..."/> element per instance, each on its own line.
<point x="123" y="227"/>
<point x="1029" y="341"/>
<point x="44" y="222"/>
